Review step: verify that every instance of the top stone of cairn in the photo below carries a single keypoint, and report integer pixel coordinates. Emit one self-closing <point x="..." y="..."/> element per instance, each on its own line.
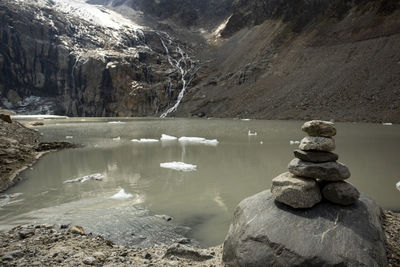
<point x="319" y="128"/>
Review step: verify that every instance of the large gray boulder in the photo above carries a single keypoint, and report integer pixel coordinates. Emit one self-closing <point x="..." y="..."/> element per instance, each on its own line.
<point x="319" y="128"/>
<point x="267" y="233"/>
<point x="327" y="171"/>
<point x="296" y="192"/>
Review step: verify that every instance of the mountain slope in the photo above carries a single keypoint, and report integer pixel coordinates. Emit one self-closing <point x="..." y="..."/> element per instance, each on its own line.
<point x="334" y="65"/>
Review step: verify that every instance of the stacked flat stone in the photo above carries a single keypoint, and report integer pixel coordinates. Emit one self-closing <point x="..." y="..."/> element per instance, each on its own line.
<point x="315" y="174"/>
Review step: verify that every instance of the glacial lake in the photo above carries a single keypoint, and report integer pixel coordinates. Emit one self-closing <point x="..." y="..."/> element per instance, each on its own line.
<point x="203" y="199"/>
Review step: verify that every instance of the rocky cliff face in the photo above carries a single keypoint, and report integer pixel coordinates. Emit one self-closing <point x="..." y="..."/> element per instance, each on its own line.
<point x="77" y="59"/>
<point x="305" y="59"/>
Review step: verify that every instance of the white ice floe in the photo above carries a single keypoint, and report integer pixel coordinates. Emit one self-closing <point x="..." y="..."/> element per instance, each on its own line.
<point x="387" y="123"/>
<point x="121" y="195"/>
<point x="165" y="137"/>
<point x="69" y="137"/>
<point x="261" y="142"/>
<point x="251" y="133"/>
<point x="116" y="122"/>
<point x="178" y="166"/>
<point x="198" y="140"/>
<point x="145" y="140"/>
<point x="398" y="186"/>
<point x="245" y="119"/>
<point x="294" y="142"/>
<point x="95" y="176"/>
<point x="117" y="139"/>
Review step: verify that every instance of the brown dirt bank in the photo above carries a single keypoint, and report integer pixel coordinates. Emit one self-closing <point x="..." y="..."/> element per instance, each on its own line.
<point x="20" y="147"/>
<point x="47" y="246"/>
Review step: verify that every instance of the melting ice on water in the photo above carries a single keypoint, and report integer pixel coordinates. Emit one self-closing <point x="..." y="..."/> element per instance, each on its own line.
<point x="95" y="176"/>
<point x="178" y="166"/>
<point x="165" y="137"/>
<point x="198" y="140"/>
<point x="121" y="195"/>
<point x="145" y="140"/>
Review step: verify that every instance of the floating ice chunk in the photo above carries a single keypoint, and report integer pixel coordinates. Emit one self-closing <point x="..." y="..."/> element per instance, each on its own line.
<point x="95" y="176"/>
<point x="178" y="166"/>
<point x="165" y="137"/>
<point x="251" y="133"/>
<point x="69" y="137"/>
<point x="398" y="186"/>
<point x="117" y="139"/>
<point x="121" y="195"/>
<point x="145" y="140"/>
<point x="261" y="142"/>
<point x="198" y="140"/>
<point x="245" y="119"/>
<point x="387" y="123"/>
<point x="116" y="122"/>
<point x="294" y="142"/>
<point x="213" y="142"/>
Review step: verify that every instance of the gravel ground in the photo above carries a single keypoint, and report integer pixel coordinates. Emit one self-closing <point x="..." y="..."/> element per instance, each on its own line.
<point x="43" y="245"/>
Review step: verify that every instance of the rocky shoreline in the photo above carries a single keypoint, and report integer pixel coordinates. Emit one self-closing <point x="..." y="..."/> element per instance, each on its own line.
<point x="44" y="245"/>
<point x="20" y="148"/>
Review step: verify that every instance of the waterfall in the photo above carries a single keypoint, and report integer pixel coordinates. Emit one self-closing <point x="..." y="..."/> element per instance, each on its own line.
<point x="185" y="67"/>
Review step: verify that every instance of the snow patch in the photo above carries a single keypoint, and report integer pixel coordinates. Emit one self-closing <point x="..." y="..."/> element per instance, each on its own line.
<point x="178" y="166"/>
<point x="95" y="176"/>
<point x="69" y="137"/>
<point x="121" y="195"/>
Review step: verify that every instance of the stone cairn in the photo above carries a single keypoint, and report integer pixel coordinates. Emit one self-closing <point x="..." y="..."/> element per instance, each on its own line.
<point x="315" y="173"/>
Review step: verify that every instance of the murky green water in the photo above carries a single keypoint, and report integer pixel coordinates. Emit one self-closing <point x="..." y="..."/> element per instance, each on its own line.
<point x="239" y="166"/>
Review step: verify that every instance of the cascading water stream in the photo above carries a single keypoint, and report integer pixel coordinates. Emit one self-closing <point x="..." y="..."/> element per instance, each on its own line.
<point x="183" y="65"/>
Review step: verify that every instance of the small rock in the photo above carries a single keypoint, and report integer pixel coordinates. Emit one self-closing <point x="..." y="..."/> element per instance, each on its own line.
<point x="315" y="156"/>
<point x="319" y="128"/>
<point x="327" y="171"/>
<point x="295" y="191"/>
<point x="341" y="193"/>
<point x="99" y="256"/>
<point x="6" y="118"/>
<point x="89" y="260"/>
<point x="75" y="229"/>
<point x="317" y="143"/>
<point x="182" y="251"/>
<point x="147" y="256"/>
<point x="25" y="233"/>
<point x="7" y="257"/>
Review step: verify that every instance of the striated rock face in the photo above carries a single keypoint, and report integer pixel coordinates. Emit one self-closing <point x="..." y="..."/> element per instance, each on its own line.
<point x="266" y="233"/>
<point x="93" y="62"/>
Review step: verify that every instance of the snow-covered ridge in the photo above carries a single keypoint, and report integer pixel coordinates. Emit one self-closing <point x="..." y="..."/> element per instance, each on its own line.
<point x="95" y="14"/>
